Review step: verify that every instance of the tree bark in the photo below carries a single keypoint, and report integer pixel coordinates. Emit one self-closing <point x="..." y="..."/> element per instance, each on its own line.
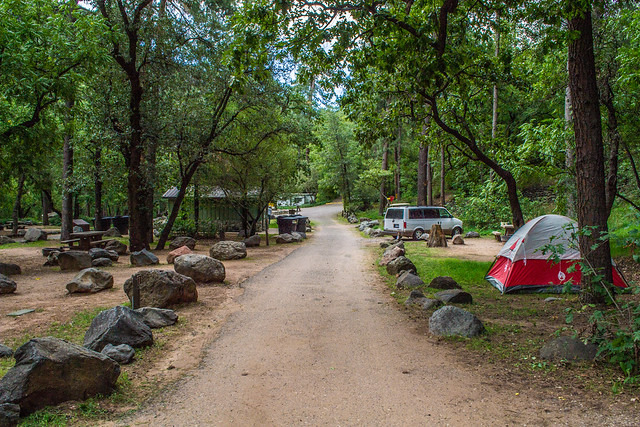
<point x="66" y="219"/>
<point x="423" y="156"/>
<point x="429" y="177"/>
<point x="97" y="186"/>
<point x="590" y="181"/>
<point x="385" y="166"/>
<point x="18" y="203"/>
<point x="442" y="173"/>
<point x="46" y="208"/>
<point x="614" y="137"/>
<point x="570" y="163"/>
<point x="398" y="162"/>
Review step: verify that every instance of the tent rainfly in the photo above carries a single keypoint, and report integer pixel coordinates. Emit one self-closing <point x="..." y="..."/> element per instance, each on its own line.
<point x="523" y="264"/>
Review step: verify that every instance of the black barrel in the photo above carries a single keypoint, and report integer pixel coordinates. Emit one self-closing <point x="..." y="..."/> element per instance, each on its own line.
<point x="286" y="224"/>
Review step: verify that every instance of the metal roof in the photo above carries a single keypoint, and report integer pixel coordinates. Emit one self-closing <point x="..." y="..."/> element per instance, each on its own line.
<point x="212" y="193"/>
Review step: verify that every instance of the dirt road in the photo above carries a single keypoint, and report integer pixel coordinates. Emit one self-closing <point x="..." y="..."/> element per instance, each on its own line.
<point x="318" y="342"/>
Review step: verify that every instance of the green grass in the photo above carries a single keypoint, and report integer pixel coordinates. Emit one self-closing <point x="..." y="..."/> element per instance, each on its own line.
<point x="74" y="330"/>
<point x="38" y="244"/>
<point x="6" y="363"/>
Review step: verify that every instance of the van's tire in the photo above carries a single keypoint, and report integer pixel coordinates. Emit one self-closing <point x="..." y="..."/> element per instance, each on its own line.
<point x="456" y="230"/>
<point x="417" y="233"/>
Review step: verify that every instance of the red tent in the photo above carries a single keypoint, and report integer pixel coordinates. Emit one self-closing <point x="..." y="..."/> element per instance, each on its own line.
<point x="523" y="265"/>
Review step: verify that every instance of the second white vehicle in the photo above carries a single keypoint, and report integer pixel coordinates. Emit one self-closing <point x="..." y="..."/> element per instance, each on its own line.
<point x="414" y="221"/>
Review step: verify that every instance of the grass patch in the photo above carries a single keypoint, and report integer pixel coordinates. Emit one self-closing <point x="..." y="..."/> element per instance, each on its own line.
<point x="38" y="244"/>
<point x="49" y="416"/>
<point x="6" y="363"/>
<point x="74" y="330"/>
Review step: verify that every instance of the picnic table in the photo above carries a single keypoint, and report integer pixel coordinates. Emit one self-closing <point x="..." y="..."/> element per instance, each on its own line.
<point x="86" y="239"/>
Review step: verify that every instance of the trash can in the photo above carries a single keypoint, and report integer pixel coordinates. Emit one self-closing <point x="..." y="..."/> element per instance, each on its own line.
<point x="286" y="224"/>
<point x="301" y="225"/>
<point x="104" y="223"/>
<point x="122" y="224"/>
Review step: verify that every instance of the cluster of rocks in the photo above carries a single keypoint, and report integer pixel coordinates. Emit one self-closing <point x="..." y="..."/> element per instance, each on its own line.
<point x="367" y="226"/>
<point x="49" y="370"/>
<point x="293" y="237"/>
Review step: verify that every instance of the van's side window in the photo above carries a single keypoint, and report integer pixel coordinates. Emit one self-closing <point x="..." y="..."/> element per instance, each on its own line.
<point x="430" y="213"/>
<point x="416" y="214"/>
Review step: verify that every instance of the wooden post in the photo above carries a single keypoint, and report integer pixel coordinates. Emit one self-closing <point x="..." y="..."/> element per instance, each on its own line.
<point x="135" y="292"/>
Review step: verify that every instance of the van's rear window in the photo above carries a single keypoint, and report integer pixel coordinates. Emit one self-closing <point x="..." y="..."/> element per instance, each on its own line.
<point x="394" y="213"/>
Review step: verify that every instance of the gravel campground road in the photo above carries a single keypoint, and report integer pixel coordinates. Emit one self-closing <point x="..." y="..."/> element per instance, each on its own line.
<point x="318" y="341"/>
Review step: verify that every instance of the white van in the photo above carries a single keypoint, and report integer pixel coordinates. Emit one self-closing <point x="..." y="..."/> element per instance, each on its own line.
<point x="413" y="221"/>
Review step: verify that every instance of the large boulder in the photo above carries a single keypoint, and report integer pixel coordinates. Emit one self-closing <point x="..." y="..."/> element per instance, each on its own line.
<point x="90" y="281"/>
<point x="390" y="254"/>
<point x="118" y="325"/>
<point x="49" y="371"/>
<point x="189" y="242"/>
<point x="123" y="353"/>
<point x="116" y="246"/>
<point x="450" y="320"/>
<point x="399" y="265"/>
<point x="568" y="348"/>
<point x="408" y="280"/>
<point x="101" y="262"/>
<point x="9" y="269"/>
<point x="143" y="258"/>
<point x="252" y="241"/>
<point x="96" y="253"/>
<point x="200" y="268"/>
<point x="284" y="238"/>
<point x="454" y="296"/>
<point x="74" y="260"/>
<point x="444" y="282"/>
<point x="4" y="240"/>
<point x="228" y="249"/>
<point x="162" y="288"/>
<point x="112" y="232"/>
<point x="35" y="234"/>
<point x="182" y="250"/>
<point x="157" y="317"/>
<point x="9" y="414"/>
<point x="7" y="285"/>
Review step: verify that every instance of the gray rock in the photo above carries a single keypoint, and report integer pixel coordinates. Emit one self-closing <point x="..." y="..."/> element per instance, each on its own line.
<point x="49" y="371"/>
<point x="118" y="325"/>
<point x="143" y="258"/>
<point x="77" y="229"/>
<point x="390" y="254"/>
<point x="408" y="280"/>
<point x="9" y="269"/>
<point x="116" y="246"/>
<point x="568" y="348"/>
<point x="377" y="233"/>
<point x="284" y="238"/>
<point x="182" y="250"/>
<point x="551" y="299"/>
<point x="444" y="282"/>
<point x="74" y="260"/>
<point x="424" y="236"/>
<point x="429" y="304"/>
<point x="200" y="268"/>
<point x="252" y="241"/>
<point x="90" y="281"/>
<point x="451" y="320"/>
<point x="162" y="288"/>
<point x="472" y="235"/>
<point x="35" y="234"/>
<point x="4" y="240"/>
<point x="52" y="259"/>
<point x="123" y="353"/>
<point x="227" y="249"/>
<point x="297" y="237"/>
<point x="189" y="242"/>
<point x="415" y="297"/>
<point x="352" y="219"/>
<point x="96" y="253"/>
<point x="112" y="232"/>
<point x="5" y="351"/>
<point x="385" y="245"/>
<point x="101" y="262"/>
<point x="157" y="317"/>
<point x="9" y="414"/>
<point x="7" y="285"/>
<point x="457" y="240"/>
<point x="454" y="296"/>
<point x="399" y="265"/>
<point x="363" y="219"/>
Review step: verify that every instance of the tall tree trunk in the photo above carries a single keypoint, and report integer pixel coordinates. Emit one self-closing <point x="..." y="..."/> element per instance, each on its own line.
<point x="196" y="206"/>
<point x="46" y="208"/>
<point x="76" y="206"/>
<point x="385" y="166"/>
<point x="442" y="173"/>
<point x="614" y="145"/>
<point x="97" y="185"/>
<point x="66" y="220"/>
<point x="398" y="159"/>
<point x="590" y="183"/>
<point x="423" y="156"/>
<point x="429" y="177"/>
<point x="18" y="203"/>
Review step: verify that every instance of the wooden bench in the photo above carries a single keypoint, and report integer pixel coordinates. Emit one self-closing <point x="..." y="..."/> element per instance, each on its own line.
<point x="497" y="235"/>
<point x="99" y="243"/>
<point x="70" y="243"/>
